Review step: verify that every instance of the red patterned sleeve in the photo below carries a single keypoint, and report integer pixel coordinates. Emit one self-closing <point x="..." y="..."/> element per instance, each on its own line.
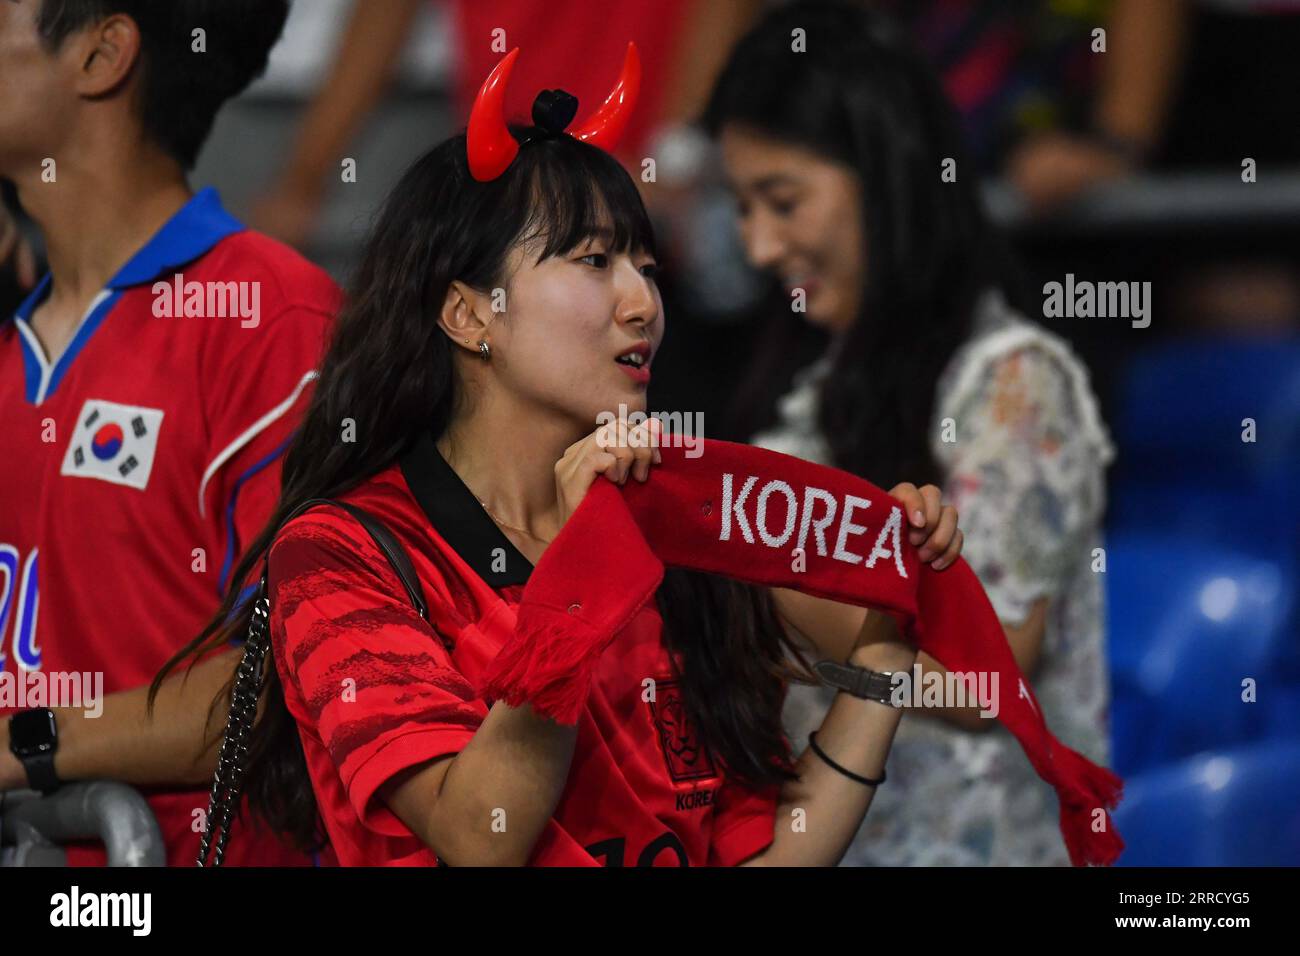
<point x="373" y="680"/>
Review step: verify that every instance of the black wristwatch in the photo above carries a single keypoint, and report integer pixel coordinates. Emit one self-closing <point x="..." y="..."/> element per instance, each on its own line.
<point x="34" y="739"/>
<point x="858" y="681"/>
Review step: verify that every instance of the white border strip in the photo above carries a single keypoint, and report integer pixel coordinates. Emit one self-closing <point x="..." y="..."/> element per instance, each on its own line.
<point x="252" y="432"/>
<point x="47" y="366"/>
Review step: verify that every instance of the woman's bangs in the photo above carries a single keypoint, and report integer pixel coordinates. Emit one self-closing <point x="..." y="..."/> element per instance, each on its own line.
<point x="577" y="193"/>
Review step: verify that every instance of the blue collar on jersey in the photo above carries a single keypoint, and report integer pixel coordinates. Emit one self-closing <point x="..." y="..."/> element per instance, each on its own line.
<point x="190" y="234"/>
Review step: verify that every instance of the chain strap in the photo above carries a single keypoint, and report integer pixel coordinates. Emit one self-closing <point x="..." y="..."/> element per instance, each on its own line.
<point x="232" y="759"/>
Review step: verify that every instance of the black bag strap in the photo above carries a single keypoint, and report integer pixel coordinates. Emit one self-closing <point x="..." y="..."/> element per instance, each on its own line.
<point x="227" y="782"/>
<point x="387" y="542"/>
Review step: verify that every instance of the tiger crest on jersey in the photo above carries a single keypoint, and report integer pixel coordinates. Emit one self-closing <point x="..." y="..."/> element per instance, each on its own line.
<point x="686" y="757"/>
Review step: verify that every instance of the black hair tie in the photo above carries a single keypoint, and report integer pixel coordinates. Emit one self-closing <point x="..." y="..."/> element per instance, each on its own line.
<point x="812" y="742"/>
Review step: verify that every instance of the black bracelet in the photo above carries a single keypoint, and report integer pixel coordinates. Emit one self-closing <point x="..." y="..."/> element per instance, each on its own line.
<point x="812" y="742"/>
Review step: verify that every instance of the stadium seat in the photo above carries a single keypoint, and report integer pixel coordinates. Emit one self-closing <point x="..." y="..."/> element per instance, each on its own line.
<point x="1282" y="713"/>
<point x="1183" y="466"/>
<point x="1234" y="808"/>
<point x="1188" y="623"/>
<point x="1183" y="399"/>
<point x="1253" y="519"/>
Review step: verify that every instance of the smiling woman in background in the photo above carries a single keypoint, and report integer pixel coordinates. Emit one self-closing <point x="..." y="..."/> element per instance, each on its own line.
<point x="837" y="157"/>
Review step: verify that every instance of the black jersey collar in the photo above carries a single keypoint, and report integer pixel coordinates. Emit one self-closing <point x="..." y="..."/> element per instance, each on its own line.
<point x="460" y="519"/>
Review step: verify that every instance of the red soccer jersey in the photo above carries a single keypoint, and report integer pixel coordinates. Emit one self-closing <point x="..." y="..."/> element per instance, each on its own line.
<point x="139" y="464"/>
<point x="375" y="689"/>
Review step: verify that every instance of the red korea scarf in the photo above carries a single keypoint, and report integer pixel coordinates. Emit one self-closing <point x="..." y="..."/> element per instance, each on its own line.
<point x="741" y="512"/>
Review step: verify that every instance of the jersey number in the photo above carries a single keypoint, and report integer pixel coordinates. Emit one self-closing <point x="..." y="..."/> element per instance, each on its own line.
<point x="19" y="599"/>
<point x="615" y="850"/>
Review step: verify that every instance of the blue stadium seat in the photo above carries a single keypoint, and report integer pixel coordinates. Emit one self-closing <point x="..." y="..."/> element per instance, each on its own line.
<point x="1183" y="466"/>
<point x="1251" y="518"/>
<point x="1183" y="404"/>
<point x="1234" y="808"/>
<point x="1282" y="712"/>
<point x="1188" y="623"/>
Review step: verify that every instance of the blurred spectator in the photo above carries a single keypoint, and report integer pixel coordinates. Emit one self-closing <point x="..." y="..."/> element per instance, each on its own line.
<point x="1041" y="99"/>
<point x="836" y="161"/>
<point x="1242" y="56"/>
<point x="1241" y="59"/>
<point x="577" y="45"/>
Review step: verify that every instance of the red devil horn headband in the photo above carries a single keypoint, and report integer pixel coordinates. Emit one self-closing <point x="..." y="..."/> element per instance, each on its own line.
<point x="491" y="146"/>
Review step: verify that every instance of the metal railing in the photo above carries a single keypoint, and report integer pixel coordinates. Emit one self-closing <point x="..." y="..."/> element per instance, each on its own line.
<point x="33" y="828"/>
<point x="1167" y="201"/>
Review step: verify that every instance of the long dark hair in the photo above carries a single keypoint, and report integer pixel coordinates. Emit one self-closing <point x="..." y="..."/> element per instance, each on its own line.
<point x="389" y="369"/>
<point x="862" y="96"/>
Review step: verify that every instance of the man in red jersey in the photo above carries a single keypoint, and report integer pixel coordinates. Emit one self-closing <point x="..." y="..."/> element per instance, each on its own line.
<point x="148" y="388"/>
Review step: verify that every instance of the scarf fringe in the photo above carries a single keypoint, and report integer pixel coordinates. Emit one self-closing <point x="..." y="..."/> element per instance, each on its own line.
<point x="548" y="666"/>
<point x="1084" y="788"/>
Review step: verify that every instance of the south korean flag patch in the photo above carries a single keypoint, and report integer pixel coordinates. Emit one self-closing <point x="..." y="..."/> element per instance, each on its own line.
<point x="114" y="443"/>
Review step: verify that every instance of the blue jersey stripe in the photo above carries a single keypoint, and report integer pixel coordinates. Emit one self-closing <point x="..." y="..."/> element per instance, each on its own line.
<point x="257" y="467"/>
<point x="79" y="342"/>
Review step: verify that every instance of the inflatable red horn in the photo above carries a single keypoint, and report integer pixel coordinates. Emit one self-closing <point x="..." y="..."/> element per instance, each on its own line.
<point x="492" y="149"/>
<point x="490" y="146"/>
<point x="606" y="125"/>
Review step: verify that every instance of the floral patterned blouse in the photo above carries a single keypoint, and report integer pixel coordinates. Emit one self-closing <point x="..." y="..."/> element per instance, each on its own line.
<point x="1024" y="461"/>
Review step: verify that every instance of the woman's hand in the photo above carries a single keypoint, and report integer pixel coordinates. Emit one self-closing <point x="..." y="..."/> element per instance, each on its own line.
<point x="933" y="524"/>
<point x="1054" y="168"/>
<point x="613" y="450"/>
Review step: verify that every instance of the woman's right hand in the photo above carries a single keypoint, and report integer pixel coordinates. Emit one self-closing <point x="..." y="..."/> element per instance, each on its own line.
<point x="615" y="450"/>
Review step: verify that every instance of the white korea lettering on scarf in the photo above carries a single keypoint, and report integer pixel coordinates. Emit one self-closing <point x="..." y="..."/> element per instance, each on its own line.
<point x="799" y="510"/>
